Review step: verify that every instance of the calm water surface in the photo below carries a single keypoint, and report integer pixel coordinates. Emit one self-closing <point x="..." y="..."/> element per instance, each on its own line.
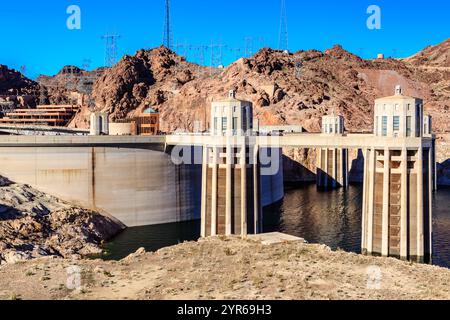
<point x="332" y="218"/>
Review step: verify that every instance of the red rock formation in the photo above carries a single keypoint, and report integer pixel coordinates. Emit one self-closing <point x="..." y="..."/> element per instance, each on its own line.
<point x="282" y="94"/>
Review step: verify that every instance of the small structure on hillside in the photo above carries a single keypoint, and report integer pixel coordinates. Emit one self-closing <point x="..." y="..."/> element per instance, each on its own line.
<point x="99" y="125"/>
<point x="147" y="123"/>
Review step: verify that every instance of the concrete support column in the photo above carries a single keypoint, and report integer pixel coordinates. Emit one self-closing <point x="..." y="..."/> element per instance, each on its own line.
<point x="430" y="196"/>
<point x="334" y="170"/>
<point x="404" y="206"/>
<point x="228" y="193"/>
<point x="346" y="168"/>
<point x="435" y="180"/>
<point x="256" y="204"/>
<point x="204" y="188"/>
<point x="364" y="206"/>
<point x="325" y="169"/>
<point x="371" y="182"/>
<point x="341" y="171"/>
<point x="385" y="218"/>
<point x="214" y="191"/>
<point x="420" y="240"/>
<point x="319" y="167"/>
<point x="243" y="163"/>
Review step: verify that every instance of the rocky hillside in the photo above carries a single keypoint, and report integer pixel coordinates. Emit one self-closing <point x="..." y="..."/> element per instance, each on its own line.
<point x="13" y="82"/>
<point x="34" y="224"/>
<point x="433" y="56"/>
<point x="67" y="83"/>
<point x="293" y="88"/>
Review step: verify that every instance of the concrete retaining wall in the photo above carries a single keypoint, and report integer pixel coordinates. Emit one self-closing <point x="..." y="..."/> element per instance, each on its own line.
<point x="139" y="187"/>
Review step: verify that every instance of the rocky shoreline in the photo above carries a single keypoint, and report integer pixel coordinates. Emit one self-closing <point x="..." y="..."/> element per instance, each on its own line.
<point x="227" y="268"/>
<point x="34" y="224"/>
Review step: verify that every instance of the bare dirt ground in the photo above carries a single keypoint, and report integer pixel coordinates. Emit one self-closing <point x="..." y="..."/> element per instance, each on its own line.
<point x="219" y="268"/>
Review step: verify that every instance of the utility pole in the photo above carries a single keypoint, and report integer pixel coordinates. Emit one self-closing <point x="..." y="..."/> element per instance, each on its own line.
<point x="283" y="38"/>
<point x="42" y="97"/>
<point x="86" y="64"/>
<point x="216" y="55"/>
<point x="167" y="33"/>
<point x="110" y="49"/>
<point x="248" y="47"/>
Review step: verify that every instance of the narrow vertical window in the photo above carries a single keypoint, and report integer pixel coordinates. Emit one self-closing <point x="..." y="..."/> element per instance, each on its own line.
<point x="384" y="126"/>
<point x="408" y="126"/>
<point x="396" y="123"/>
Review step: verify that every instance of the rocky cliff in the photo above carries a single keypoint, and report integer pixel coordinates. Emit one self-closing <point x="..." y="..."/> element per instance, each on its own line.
<point x="13" y="82"/>
<point x="34" y="224"/>
<point x="286" y="88"/>
<point x="295" y="88"/>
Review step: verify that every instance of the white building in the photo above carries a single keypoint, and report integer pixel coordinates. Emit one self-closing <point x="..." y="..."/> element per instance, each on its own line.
<point x="333" y="124"/>
<point x="231" y="117"/>
<point x="398" y="116"/>
<point x="99" y="124"/>
<point x="332" y="163"/>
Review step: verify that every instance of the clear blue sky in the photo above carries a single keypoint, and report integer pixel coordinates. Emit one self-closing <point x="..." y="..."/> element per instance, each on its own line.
<point x="34" y="33"/>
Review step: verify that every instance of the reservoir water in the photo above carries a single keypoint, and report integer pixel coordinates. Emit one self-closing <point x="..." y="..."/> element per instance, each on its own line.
<point x="332" y="218"/>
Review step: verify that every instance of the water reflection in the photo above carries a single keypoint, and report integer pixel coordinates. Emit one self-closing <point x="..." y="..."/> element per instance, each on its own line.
<point x="327" y="217"/>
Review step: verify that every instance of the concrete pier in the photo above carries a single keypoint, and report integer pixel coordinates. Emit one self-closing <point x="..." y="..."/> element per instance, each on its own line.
<point x="332" y="163"/>
<point x="134" y="179"/>
<point x="231" y="203"/>
<point x="398" y="183"/>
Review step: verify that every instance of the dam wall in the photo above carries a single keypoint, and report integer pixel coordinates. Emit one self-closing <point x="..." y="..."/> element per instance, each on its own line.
<point x="137" y="186"/>
<point x="272" y="186"/>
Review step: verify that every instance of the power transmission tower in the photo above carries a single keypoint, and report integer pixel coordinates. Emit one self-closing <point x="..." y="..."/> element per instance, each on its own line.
<point x="248" y="47"/>
<point x="70" y="77"/>
<point x="167" y="34"/>
<point x="216" y="56"/>
<point x="86" y="64"/>
<point x="110" y="49"/>
<point x="283" y="39"/>
<point x="42" y="96"/>
<point x="199" y="53"/>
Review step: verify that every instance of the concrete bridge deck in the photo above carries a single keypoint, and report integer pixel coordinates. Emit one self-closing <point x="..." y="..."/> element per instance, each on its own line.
<point x="304" y="140"/>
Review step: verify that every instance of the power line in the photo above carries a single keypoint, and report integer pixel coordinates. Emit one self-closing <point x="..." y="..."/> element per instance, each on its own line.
<point x="248" y="47"/>
<point x="110" y="49"/>
<point x="167" y="34"/>
<point x="283" y="38"/>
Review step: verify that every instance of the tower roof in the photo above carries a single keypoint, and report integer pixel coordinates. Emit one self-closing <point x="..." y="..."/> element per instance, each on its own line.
<point x="398" y="95"/>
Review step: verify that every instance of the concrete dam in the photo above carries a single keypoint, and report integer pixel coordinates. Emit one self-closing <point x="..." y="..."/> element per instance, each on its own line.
<point x="132" y="180"/>
<point x="237" y="171"/>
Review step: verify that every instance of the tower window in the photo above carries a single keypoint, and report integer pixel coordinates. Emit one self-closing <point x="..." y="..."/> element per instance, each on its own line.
<point x="408" y="126"/>
<point x="396" y="123"/>
<point x="224" y="124"/>
<point x="384" y="126"/>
